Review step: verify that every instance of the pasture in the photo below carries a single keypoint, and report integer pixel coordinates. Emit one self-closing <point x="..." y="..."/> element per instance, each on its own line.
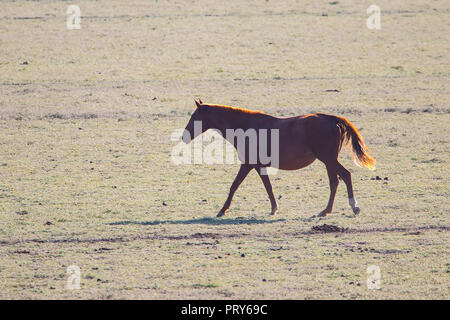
<point x="86" y="176"/>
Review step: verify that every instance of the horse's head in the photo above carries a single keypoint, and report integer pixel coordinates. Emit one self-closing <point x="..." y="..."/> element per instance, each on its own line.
<point x="198" y="123"/>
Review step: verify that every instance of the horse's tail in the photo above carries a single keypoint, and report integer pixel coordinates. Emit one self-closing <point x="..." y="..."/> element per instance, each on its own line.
<point x="360" y="155"/>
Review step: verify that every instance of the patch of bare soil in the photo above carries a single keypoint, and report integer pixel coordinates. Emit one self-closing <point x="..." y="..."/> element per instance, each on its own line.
<point x="326" y="228"/>
<point x="126" y="239"/>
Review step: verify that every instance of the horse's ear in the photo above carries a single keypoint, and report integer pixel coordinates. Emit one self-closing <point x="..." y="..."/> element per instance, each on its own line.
<point x="198" y="103"/>
<point x="200" y="100"/>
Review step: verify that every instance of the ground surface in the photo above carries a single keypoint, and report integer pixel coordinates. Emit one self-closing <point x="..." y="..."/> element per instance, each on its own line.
<point x="86" y="177"/>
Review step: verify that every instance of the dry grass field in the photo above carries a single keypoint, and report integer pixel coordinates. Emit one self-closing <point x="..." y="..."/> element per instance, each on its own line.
<point x="86" y="176"/>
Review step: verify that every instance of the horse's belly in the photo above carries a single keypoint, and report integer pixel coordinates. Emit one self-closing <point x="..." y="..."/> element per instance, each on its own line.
<point x="290" y="163"/>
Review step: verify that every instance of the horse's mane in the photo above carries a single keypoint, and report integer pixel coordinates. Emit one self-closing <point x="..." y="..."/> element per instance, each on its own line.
<point x="235" y="109"/>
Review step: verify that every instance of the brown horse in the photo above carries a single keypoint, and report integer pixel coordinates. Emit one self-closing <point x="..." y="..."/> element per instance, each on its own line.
<point x="301" y="140"/>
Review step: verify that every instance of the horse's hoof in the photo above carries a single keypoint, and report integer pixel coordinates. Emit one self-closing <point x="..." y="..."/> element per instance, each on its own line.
<point x="323" y="213"/>
<point x="274" y="212"/>
<point x="220" y="214"/>
<point x="356" y="210"/>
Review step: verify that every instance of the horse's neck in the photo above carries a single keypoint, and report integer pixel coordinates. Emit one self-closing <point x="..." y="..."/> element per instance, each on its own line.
<point x="232" y="120"/>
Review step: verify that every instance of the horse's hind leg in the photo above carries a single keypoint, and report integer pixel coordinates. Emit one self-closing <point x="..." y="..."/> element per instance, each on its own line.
<point x="266" y="181"/>
<point x="243" y="172"/>
<point x="334" y="182"/>
<point x="347" y="177"/>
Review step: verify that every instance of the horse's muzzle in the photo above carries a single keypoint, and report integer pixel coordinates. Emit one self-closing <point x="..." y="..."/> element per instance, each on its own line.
<point x="186" y="137"/>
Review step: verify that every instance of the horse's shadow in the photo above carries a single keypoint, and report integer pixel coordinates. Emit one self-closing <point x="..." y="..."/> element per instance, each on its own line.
<point x="207" y="221"/>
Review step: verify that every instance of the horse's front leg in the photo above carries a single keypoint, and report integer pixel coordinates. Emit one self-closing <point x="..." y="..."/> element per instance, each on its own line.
<point x="266" y="181"/>
<point x="243" y="172"/>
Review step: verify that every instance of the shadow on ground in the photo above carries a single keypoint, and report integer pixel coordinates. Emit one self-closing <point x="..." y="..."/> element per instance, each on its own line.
<point x="207" y="221"/>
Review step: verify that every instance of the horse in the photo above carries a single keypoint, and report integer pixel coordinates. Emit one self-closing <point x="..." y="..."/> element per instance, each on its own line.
<point x="301" y="140"/>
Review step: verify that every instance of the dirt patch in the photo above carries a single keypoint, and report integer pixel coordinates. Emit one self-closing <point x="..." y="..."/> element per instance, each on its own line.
<point x="351" y="248"/>
<point x="390" y="251"/>
<point x="102" y="249"/>
<point x="326" y="228"/>
<point x="127" y="239"/>
<point x="202" y="243"/>
<point x="410" y="229"/>
<point x="204" y="235"/>
<point x="21" y="252"/>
